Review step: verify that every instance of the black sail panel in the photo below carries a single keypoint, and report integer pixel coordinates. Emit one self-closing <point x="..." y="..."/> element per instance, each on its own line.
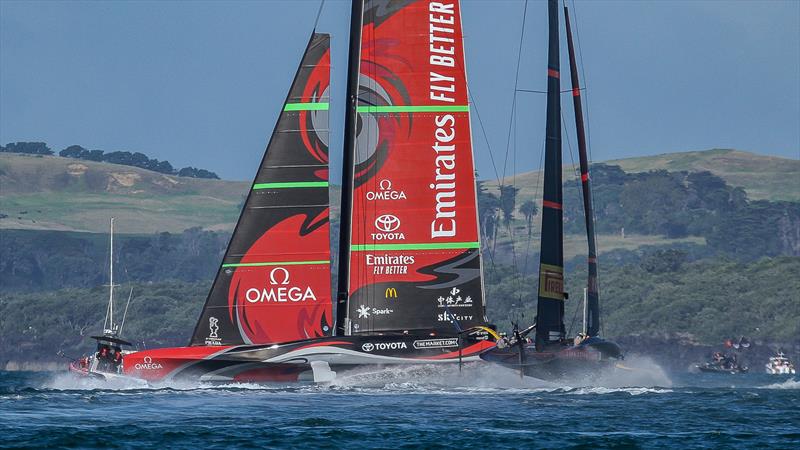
<point x="274" y="282"/>
<point x="550" y="305"/>
<point x="592" y="291"/>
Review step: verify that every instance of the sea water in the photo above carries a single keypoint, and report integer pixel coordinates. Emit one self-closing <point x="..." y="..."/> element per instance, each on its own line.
<point x="407" y="407"/>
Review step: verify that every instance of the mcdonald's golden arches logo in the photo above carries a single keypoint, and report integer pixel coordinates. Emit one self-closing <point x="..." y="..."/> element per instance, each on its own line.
<point x="390" y="293"/>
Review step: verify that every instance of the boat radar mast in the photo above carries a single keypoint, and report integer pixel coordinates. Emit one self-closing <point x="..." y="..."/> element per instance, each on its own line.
<point x="109" y="329"/>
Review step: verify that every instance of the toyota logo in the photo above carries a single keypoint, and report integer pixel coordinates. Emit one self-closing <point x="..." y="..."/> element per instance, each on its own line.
<point x="368" y="347"/>
<point x="387" y="223"/>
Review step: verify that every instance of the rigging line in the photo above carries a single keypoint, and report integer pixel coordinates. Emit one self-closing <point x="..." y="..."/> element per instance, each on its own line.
<point x="474" y="104"/>
<point x="509" y="225"/>
<point x="483" y="131"/>
<point x="516" y="84"/>
<point x="319" y="12"/>
<point x="478" y="116"/>
<point x="574" y="316"/>
<point x="575" y="169"/>
<point x="511" y="120"/>
<point x="538" y="178"/>
<point x="125" y="314"/>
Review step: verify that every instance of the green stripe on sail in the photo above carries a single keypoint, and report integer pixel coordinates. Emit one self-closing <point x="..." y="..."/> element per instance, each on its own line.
<point x="413" y="109"/>
<point x="277" y="263"/>
<point x="291" y="184"/>
<point x="426" y="246"/>
<point x="306" y="107"/>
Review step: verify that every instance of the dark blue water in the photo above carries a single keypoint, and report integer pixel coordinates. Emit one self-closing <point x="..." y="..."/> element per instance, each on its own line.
<point x="416" y="407"/>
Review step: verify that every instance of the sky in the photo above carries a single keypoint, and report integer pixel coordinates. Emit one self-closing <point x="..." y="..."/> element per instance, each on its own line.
<point x="201" y="83"/>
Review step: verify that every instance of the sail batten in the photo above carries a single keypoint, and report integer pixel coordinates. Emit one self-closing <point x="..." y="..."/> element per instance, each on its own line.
<point x="273" y="284"/>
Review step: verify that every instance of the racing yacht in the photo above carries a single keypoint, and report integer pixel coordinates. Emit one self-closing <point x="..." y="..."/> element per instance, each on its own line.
<point x="550" y="354"/>
<point x="409" y="287"/>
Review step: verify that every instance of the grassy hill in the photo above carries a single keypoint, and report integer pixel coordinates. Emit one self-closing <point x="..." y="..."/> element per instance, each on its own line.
<point x="54" y="193"/>
<point x="762" y="177"/>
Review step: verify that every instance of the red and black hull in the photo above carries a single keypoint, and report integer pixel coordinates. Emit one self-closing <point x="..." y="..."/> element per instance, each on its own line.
<point x="291" y="361"/>
<point x="582" y="361"/>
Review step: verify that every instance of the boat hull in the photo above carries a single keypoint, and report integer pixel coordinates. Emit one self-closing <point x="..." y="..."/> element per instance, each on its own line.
<point x="585" y="361"/>
<point x="78" y="370"/>
<point x="711" y="369"/>
<point x="294" y="361"/>
<point x="780" y="370"/>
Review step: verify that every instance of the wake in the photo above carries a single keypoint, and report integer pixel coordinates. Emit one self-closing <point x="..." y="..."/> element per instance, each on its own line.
<point x="635" y="376"/>
<point x="639" y="375"/>
<point x="791" y="383"/>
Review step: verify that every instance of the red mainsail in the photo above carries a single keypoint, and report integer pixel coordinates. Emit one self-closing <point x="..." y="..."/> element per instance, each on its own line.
<point x="414" y="246"/>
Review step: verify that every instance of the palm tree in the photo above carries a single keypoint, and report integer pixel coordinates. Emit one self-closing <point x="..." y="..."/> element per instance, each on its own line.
<point x="529" y="209"/>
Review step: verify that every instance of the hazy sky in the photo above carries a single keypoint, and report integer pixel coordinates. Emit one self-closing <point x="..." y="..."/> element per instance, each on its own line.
<point x="201" y="83"/>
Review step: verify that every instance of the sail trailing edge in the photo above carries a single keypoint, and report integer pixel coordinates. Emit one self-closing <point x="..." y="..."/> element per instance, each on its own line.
<point x="414" y="249"/>
<point x="593" y="294"/>
<point x="274" y="282"/>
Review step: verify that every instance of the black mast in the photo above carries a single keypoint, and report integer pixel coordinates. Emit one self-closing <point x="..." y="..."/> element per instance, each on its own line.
<point x="550" y="305"/>
<point x="350" y="134"/>
<point x="593" y="301"/>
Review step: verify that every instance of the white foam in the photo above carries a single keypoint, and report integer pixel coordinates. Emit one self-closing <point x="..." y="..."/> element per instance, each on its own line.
<point x="71" y="382"/>
<point x="639" y="376"/>
<point x="788" y="384"/>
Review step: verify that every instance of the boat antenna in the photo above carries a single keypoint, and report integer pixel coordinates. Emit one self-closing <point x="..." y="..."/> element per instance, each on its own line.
<point x="125" y="314"/>
<point x="319" y="12"/>
<point x="108" y="324"/>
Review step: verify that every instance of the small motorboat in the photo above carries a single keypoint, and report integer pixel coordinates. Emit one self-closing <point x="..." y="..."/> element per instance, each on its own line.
<point x="780" y="365"/>
<point x="723" y="363"/>
<point x="106" y="363"/>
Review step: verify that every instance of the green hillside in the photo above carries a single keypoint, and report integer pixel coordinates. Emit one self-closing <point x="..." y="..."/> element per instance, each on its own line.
<point x="762" y="177"/>
<point x="54" y="193"/>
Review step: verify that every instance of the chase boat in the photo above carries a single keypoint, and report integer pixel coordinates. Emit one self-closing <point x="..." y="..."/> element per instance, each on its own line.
<point x="780" y="365"/>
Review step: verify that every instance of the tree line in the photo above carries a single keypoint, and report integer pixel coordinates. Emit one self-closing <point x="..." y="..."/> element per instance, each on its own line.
<point x="706" y="300"/>
<point x="697" y="205"/>
<point x="135" y="159"/>
<point x="671" y="204"/>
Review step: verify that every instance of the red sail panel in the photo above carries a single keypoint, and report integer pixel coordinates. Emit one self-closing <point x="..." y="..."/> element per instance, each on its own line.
<point x="274" y="282"/>
<point x="415" y="258"/>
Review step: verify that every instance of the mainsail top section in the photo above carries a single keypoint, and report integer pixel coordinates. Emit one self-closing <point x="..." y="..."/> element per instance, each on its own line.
<point x="274" y="282"/>
<point x="414" y="251"/>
